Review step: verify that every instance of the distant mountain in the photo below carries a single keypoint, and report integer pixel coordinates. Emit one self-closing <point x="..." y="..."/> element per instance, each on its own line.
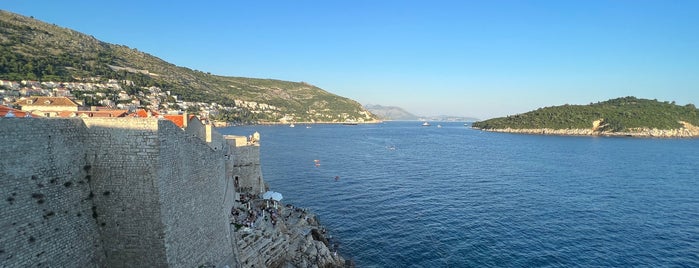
<point x="390" y="112"/>
<point x="398" y="114"/>
<point x="34" y="50"/>
<point x="448" y="118"/>
<point x="627" y="115"/>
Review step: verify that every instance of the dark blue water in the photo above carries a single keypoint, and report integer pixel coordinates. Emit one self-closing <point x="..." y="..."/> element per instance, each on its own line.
<point x="413" y="196"/>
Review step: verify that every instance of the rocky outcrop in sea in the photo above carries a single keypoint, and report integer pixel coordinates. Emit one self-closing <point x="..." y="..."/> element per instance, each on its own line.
<point x="270" y="234"/>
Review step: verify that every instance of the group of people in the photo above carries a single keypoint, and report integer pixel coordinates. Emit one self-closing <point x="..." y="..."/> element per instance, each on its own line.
<point x="248" y="221"/>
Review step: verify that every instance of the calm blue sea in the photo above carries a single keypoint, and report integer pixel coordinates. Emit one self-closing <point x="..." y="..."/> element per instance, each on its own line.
<point x="413" y="196"/>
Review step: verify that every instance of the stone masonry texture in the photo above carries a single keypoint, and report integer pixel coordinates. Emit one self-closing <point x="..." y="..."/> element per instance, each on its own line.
<point x="111" y="192"/>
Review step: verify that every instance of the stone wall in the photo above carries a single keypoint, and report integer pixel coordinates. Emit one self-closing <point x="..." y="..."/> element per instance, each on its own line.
<point x="111" y="192"/>
<point x="195" y="127"/>
<point x="245" y="164"/>
<point x="214" y="139"/>
<point x="123" y="155"/>
<point x="46" y="211"/>
<point x="196" y="198"/>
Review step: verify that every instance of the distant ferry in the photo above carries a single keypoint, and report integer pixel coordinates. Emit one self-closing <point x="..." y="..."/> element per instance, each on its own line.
<point x="426" y="124"/>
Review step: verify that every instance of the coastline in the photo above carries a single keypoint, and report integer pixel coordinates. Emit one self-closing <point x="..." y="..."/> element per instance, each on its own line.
<point x="229" y="124"/>
<point x="280" y="235"/>
<point x="686" y="132"/>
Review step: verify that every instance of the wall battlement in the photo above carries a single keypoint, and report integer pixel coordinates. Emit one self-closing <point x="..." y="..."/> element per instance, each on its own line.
<point x="119" y="192"/>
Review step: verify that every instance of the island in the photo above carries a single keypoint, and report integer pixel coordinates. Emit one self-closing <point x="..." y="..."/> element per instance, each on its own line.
<point x="626" y="116"/>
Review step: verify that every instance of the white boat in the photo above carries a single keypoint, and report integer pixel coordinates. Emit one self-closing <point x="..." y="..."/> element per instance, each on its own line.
<point x="426" y="124"/>
<point x="292" y="125"/>
<point x="439" y="126"/>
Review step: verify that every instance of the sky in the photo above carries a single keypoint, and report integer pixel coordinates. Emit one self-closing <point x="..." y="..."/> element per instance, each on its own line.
<point x="481" y="59"/>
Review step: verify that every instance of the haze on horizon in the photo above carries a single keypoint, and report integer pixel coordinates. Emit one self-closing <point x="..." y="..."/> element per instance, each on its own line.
<point x="478" y="59"/>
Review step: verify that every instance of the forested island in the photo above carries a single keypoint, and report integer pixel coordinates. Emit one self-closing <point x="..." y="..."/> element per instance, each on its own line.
<point x="626" y="116"/>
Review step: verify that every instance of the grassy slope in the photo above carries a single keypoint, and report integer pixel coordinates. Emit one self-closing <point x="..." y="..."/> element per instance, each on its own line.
<point x="70" y="55"/>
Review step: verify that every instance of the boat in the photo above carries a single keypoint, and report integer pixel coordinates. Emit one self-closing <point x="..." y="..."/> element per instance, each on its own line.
<point x="426" y="124"/>
<point x="439" y="126"/>
<point x="292" y="125"/>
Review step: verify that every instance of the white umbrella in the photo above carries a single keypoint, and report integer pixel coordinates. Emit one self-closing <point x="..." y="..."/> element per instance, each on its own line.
<point x="267" y="195"/>
<point x="276" y="196"/>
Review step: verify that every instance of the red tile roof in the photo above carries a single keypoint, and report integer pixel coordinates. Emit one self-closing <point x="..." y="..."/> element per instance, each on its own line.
<point x="143" y="113"/>
<point x="47" y="101"/>
<point x="18" y="113"/>
<point x="101" y="113"/>
<point x="177" y="119"/>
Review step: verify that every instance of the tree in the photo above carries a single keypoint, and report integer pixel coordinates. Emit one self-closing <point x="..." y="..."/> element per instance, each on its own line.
<point x="192" y="109"/>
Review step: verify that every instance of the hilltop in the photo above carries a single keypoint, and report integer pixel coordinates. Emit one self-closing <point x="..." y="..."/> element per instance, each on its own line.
<point x="37" y="51"/>
<point x="628" y="116"/>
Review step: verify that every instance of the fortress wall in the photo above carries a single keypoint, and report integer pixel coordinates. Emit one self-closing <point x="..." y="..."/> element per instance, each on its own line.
<point x="214" y="139"/>
<point x="45" y="213"/>
<point x="195" y="128"/>
<point x="246" y="166"/>
<point x="109" y="192"/>
<point x="195" y="199"/>
<point x="206" y="133"/>
<point x="124" y="154"/>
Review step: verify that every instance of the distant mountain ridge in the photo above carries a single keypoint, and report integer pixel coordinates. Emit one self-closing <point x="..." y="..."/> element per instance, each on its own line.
<point x="628" y="116"/>
<point x="397" y="114"/>
<point x="34" y="50"/>
<point x="390" y="112"/>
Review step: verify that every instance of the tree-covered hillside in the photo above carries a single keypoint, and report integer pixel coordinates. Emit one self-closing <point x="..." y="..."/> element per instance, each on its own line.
<point x="34" y="50"/>
<point x="614" y="115"/>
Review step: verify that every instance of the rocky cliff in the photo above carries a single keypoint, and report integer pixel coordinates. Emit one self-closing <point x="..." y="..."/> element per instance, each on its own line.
<point x="274" y="235"/>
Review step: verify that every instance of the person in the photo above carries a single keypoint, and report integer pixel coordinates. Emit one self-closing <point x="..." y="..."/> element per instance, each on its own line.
<point x="256" y="136"/>
<point x="337" y="178"/>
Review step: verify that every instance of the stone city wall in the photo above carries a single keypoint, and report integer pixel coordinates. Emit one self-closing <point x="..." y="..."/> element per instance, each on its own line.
<point x="123" y="155"/>
<point x="111" y="192"/>
<point x="46" y="211"/>
<point x="246" y="166"/>
<point x="196" y="198"/>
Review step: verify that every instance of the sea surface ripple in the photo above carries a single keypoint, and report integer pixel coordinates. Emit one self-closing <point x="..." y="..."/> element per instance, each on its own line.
<point x="413" y="196"/>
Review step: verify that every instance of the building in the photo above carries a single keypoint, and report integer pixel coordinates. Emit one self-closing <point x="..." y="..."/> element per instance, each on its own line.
<point x="48" y="106"/>
<point x="9" y="112"/>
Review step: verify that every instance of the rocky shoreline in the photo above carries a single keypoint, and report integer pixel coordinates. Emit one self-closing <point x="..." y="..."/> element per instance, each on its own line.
<point x="270" y="234"/>
<point x="685" y="132"/>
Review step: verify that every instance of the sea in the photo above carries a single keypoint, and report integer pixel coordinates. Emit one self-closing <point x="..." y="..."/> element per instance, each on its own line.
<point x="399" y="194"/>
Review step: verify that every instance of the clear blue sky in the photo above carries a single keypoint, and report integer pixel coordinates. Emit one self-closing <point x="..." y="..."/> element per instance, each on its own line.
<point x="472" y="58"/>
